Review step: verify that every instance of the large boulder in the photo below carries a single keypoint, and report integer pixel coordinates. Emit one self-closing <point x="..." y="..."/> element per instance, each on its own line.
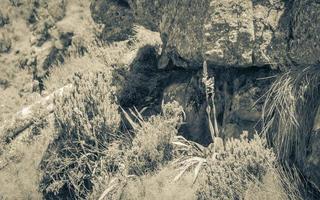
<point x="227" y="33"/>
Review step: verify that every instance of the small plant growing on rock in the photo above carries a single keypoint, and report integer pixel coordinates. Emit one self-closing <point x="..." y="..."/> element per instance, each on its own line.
<point x="211" y="108"/>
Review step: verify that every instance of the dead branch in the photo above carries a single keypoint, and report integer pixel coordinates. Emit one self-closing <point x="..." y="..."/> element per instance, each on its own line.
<point x="25" y="118"/>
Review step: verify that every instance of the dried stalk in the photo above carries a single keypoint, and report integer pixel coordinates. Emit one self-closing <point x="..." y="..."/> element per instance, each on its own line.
<point x="210" y="94"/>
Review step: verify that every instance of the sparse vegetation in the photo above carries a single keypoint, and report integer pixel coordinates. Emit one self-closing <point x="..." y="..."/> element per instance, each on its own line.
<point x="148" y="151"/>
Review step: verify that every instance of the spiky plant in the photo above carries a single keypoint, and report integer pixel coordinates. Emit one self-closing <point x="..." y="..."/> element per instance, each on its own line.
<point x="192" y="155"/>
<point x="289" y="111"/>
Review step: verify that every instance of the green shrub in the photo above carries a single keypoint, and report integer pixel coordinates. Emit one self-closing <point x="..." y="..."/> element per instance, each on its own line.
<point x="114" y="169"/>
<point x="143" y="155"/>
<point x="90" y="108"/>
<point x="152" y="144"/>
<point x="230" y="171"/>
<point x="87" y="121"/>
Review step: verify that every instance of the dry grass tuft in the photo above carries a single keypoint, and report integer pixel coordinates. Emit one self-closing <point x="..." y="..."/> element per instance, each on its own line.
<point x="159" y="186"/>
<point x="276" y="184"/>
<point x="229" y="173"/>
<point x="289" y="110"/>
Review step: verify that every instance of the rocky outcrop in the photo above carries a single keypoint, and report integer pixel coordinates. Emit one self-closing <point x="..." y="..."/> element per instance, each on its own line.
<point x="229" y="33"/>
<point x="243" y="41"/>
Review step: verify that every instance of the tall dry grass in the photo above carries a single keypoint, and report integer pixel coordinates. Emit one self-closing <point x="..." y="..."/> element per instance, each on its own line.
<point x="289" y="111"/>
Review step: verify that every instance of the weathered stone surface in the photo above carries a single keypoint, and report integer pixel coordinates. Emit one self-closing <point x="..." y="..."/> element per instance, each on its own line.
<point x="228" y="33"/>
<point x="266" y="21"/>
<point x="225" y="33"/>
<point x="150" y="17"/>
<point x="116" y="17"/>
<point x="181" y="32"/>
<point x="304" y="41"/>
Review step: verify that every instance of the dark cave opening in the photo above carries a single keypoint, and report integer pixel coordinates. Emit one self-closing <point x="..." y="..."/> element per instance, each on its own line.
<point x="238" y="94"/>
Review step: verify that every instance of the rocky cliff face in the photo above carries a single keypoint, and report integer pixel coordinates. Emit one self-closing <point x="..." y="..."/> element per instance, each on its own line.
<point x="232" y="33"/>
